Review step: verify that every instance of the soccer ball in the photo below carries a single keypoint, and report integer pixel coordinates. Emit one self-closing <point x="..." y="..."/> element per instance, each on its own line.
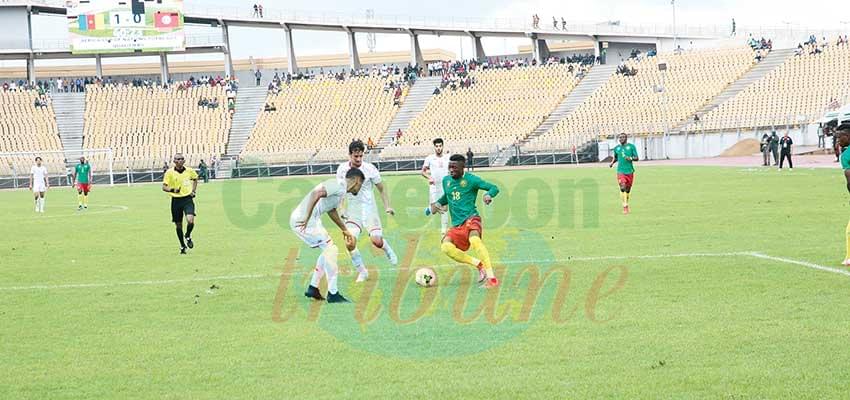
<point x="426" y="277"/>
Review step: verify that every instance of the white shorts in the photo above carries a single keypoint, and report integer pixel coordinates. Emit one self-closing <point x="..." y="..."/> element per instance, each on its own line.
<point x="38" y="187"/>
<point x="314" y="234"/>
<point x="368" y="221"/>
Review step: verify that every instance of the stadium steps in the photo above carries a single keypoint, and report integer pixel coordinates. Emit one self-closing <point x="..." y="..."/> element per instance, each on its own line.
<point x="772" y="61"/>
<point x="70" y="109"/>
<point x="594" y="80"/>
<point x="224" y="169"/>
<point x="416" y="100"/>
<point x="249" y="104"/>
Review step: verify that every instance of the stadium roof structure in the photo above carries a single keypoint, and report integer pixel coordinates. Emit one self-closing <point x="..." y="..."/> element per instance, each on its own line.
<point x="287" y="21"/>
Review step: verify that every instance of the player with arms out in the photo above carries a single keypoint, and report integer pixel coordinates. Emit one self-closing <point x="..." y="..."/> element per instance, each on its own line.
<point x="435" y="168"/>
<point x="39" y="184"/>
<point x="306" y="223"/>
<point x="842" y="138"/>
<point x="361" y="209"/>
<point x="181" y="183"/>
<point x="460" y="191"/>
<point x="82" y="181"/>
<point x="624" y="155"/>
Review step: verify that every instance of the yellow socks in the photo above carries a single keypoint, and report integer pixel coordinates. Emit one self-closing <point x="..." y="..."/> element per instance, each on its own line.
<point x="625" y="197"/>
<point x="482" y="252"/>
<point x="80" y="199"/>
<point x="86" y="200"/>
<point x="455" y="254"/>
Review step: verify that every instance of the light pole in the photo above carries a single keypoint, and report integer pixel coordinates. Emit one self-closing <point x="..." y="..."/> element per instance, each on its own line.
<point x="675" y="35"/>
<point x="662" y="67"/>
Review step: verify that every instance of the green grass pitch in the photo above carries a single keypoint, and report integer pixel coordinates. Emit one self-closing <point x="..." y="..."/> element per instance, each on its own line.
<point x="676" y="300"/>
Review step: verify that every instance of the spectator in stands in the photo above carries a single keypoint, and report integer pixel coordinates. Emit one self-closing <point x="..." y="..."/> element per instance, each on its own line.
<point x="231" y="107"/>
<point x="555" y="23"/>
<point x="734" y="28"/>
<point x="213" y="104"/>
<point x="397" y="96"/>
<point x="774" y="147"/>
<point x="260" y="9"/>
<point x="436" y="91"/>
<point x="563" y="24"/>
<point x="398" y="135"/>
<point x="370" y="144"/>
<point x="165" y="167"/>
<point x="821" y="137"/>
<point x="203" y="102"/>
<point x="256" y="11"/>
<point x="785" y="144"/>
<point x="270" y="107"/>
<point x="535" y="21"/>
<point x="259" y="76"/>
<point x="202" y="171"/>
<point x="765" y="149"/>
<point x="469" y="158"/>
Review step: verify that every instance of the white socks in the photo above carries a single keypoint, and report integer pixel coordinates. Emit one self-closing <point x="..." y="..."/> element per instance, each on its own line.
<point x="39" y="204"/>
<point x="357" y="260"/>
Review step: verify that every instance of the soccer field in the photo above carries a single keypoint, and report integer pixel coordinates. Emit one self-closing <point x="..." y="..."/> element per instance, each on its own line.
<point x="721" y="283"/>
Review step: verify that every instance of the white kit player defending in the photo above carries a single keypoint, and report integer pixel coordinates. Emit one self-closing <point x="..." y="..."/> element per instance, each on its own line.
<point x="435" y="168"/>
<point x="38" y="184"/>
<point x="306" y="223"/>
<point x="362" y="211"/>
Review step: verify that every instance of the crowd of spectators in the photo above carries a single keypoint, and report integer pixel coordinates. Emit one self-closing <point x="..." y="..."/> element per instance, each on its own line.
<point x="258" y="11"/>
<point x="208" y="103"/>
<point x="813" y="47"/>
<point x="535" y="23"/>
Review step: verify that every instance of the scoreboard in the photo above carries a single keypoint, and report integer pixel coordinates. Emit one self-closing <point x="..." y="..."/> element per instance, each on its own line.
<point x="123" y="26"/>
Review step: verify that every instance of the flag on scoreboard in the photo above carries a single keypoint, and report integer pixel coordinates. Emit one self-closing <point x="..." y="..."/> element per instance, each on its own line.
<point x="90" y="22"/>
<point x="166" y="20"/>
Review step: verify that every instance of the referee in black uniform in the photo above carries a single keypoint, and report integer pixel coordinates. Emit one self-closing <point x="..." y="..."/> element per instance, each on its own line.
<point x="181" y="183"/>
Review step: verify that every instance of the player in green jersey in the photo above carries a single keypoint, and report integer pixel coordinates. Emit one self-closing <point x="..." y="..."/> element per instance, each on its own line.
<point x="82" y="181"/>
<point x="460" y="191"/>
<point x="624" y="155"/>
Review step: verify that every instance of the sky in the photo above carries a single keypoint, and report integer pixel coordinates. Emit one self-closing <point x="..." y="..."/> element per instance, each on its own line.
<point x="269" y="43"/>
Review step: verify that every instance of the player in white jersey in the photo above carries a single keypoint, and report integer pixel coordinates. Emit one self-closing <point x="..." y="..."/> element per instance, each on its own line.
<point x="39" y="184"/>
<point x="306" y="223"/>
<point x="362" y="211"/>
<point x="435" y="168"/>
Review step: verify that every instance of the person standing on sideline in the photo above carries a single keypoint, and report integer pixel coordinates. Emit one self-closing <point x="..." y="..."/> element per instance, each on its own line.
<point x="82" y="181"/>
<point x="203" y="172"/>
<point x="774" y="147"/>
<point x="785" y="150"/>
<point x="842" y="133"/>
<point x="181" y="183"/>
<point x="821" y="137"/>
<point x="469" y="158"/>
<point x="39" y="184"/>
<point x="765" y="150"/>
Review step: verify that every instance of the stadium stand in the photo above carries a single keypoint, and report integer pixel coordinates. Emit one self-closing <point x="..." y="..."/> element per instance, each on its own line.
<point x="501" y="107"/>
<point x="25" y="127"/>
<point x="317" y="119"/>
<point x="798" y="91"/>
<point x="632" y="102"/>
<point x="146" y="126"/>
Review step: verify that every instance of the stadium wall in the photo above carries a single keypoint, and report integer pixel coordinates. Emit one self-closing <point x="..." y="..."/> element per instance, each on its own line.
<point x="707" y="145"/>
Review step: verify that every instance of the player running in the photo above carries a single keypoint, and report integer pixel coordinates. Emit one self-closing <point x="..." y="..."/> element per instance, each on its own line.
<point x="39" y="184"/>
<point x="306" y="223"/>
<point x="181" y="182"/>
<point x="435" y="168"/>
<point x="460" y="190"/>
<point x="624" y="155"/>
<point x="842" y="135"/>
<point x="82" y="181"/>
<point x="362" y="210"/>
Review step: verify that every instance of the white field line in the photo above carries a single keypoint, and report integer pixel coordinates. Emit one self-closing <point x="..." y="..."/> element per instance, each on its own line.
<point x="266" y="276"/>
<point x="800" y="263"/>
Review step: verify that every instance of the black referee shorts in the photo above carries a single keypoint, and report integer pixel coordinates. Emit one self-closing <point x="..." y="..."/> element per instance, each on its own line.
<point x="180" y="206"/>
